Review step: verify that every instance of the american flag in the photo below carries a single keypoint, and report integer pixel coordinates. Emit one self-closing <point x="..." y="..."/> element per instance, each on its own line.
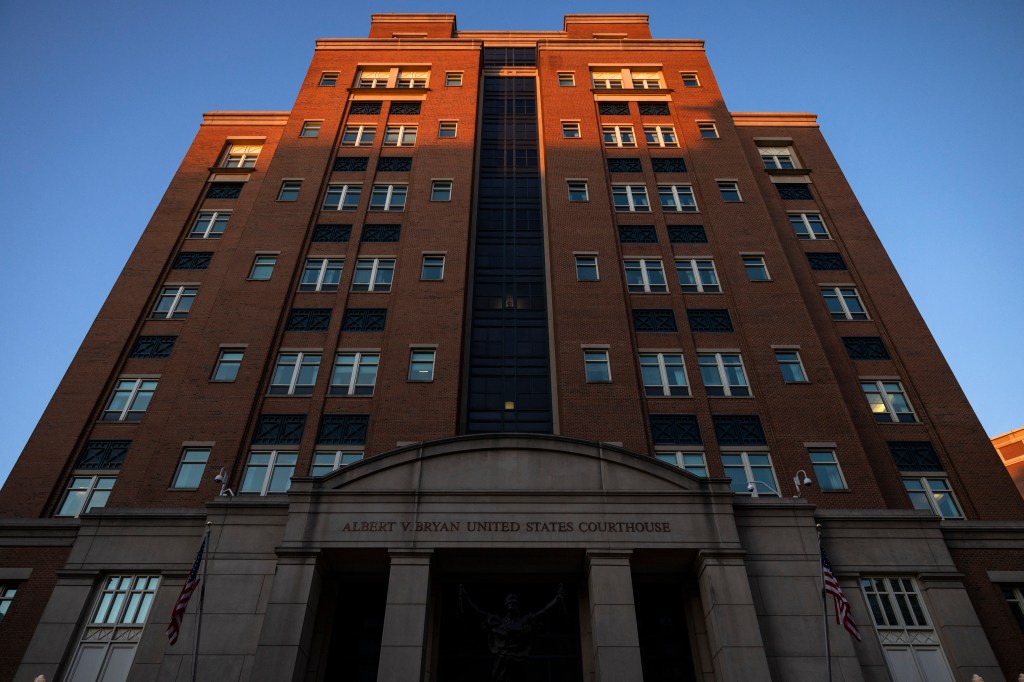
<point x="842" y="605"/>
<point x="191" y="583"/>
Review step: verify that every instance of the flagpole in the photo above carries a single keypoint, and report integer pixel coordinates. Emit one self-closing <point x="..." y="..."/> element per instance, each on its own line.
<point x="824" y="605"/>
<point x="202" y="595"/>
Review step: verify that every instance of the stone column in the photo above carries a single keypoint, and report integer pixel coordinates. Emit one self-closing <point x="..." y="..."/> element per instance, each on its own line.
<point x="616" y="643"/>
<point x="737" y="651"/>
<point x="405" y="618"/>
<point x="288" y="623"/>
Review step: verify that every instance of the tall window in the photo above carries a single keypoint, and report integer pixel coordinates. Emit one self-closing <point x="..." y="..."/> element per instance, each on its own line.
<point x="421" y="364"/>
<point x="722" y="374"/>
<point x="268" y="471"/>
<point x="618" y="136"/>
<point x="400" y="136"/>
<point x="596" y="366"/>
<point x="358" y="136"/>
<point x="746" y="468"/>
<point x="826" y="469"/>
<point x="7" y="593"/>
<point x="85" y="493"/>
<point x="1015" y="600"/>
<point x="844" y="303"/>
<point x="210" y="225"/>
<point x="373" y="274"/>
<point x="677" y="198"/>
<point x="321" y="274"/>
<point x="130" y="399"/>
<point x="660" y="136"/>
<point x="190" y="469"/>
<point x="325" y="462"/>
<point x="388" y="197"/>
<point x="586" y="269"/>
<point x="174" y="302"/>
<point x="888" y="401"/>
<point x="808" y="226"/>
<point x="295" y="374"/>
<point x="697" y="276"/>
<point x="631" y="198"/>
<point x="355" y="373"/>
<point x="645" y="275"/>
<point x="342" y="197"/>
<point x="664" y="374"/>
<point x="933" y="494"/>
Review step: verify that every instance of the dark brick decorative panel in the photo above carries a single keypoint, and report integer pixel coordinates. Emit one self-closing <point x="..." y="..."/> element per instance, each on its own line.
<point x="364" y="320"/>
<point x="343" y="429"/>
<point x="381" y="233"/>
<point x="613" y="108"/>
<point x="914" y="455"/>
<point x="654" y="320"/>
<point x="687" y="234"/>
<point x="153" y="347"/>
<point x="351" y="163"/>
<point x="794" y="191"/>
<point x="332" y="233"/>
<point x="624" y="166"/>
<point x="103" y="454"/>
<point x="372" y="108"/>
<point x="653" y="109"/>
<point x="192" y="260"/>
<point x="224" y="190"/>
<point x="739" y="429"/>
<point x="284" y="429"/>
<point x="308" y="320"/>
<point x="709" y="320"/>
<point x="675" y="429"/>
<point x="865" y="348"/>
<point x="672" y="164"/>
<point x="637" y="234"/>
<point x="406" y="108"/>
<point x="826" y="261"/>
<point x="394" y="164"/>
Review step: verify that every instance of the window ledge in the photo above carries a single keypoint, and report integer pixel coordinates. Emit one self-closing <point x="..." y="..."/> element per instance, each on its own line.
<point x="633" y="92"/>
<point x="221" y="170"/>
<point x="388" y="91"/>
<point x="787" y="171"/>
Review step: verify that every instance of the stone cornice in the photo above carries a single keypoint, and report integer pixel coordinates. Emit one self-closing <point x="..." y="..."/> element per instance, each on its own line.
<point x="251" y="118"/>
<point x="774" y="118"/>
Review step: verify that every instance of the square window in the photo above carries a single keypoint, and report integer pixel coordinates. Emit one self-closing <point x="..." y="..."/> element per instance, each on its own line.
<point x="756" y="269"/>
<point x="373" y="274"/>
<point x="432" y="268"/>
<point x="618" y="136"/>
<point x="342" y="197"/>
<point x="791" y="367"/>
<point x="373" y="79"/>
<point x="677" y="198"/>
<point x="355" y="373"/>
<point x="421" y="365"/>
<point x="777" y="158"/>
<point x="722" y="374"/>
<point x="358" y="136"/>
<point x="646" y="80"/>
<point x="808" y="226"/>
<point x="596" y="366"/>
<point x="606" y="80"/>
<point x="328" y="79"/>
<point x="888" y="401"/>
<point x="388" y="197"/>
<point x="241" y="156"/>
<point x="571" y="130"/>
<point x="263" y="267"/>
<point x="84" y="494"/>
<point x="453" y="79"/>
<point x="129" y="400"/>
<point x="228" y="363"/>
<point x="645" y="276"/>
<point x="578" y="190"/>
<point x="826" y="469"/>
<point x="268" y="471"/>
<point x="400" y="136"/>
<point x="933" y="494"/>
<point x="412" y="79"/>
<point x="631" y="198"/>
<point x="664" y="374"/>
<point x="690" y="79"/>
<point x="174" y="302"/>
<point x="566" y="79"/>
<point x="311" y="128"/>
<point x="326" y="462"/>
<point x="209" y="225"/>
<point x="295" y="374"/>
<point x="844" y="303"/>
<point x="694" y="462"/>
<point x="751" y="473"/>
<point x="697" y="276"/>
<point x="660" y="136"/>
<point x="447" y="129"/>
<point x="730" y="191"/>
<point x="441" y="190"/>
<point x="289" y="190"/>
<point x="708" y="130"/>
<point x="321" y="274"/>
<point x="586" y="269"/>
<point x="191" y="468"/>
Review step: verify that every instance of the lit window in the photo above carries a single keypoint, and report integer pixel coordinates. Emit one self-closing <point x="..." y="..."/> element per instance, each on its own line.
<point x="698" y="276"/>
<point x="808" y="226"/>
<point x="7" y="593"/>
<point x="844" y="303"/>
<point x="210" y="225"/>
<point x="730" y="191"/>
<point x="708" y="130"/>
<point x="826" y="469"/>
<point x="566" y="79"/>
<point x="888" y="401"/>
<point x="746" y="468"/>
<point x="571" y="129"/>
<point x="421" y="365"/>
<point x="388" y="197"/>
<point x="373" y="274"/>
<point x="241" y="155"/>
<point x="618" y="136"/>
<point x="295" y="374"/>
<point x="441" y="190"/>
<point x="606" y="80"/>
<point x="693" y="462"/>
<point x="268" y="471"/>
<point x="432" y="268"/>
<point x="645" y="275"/>
<point x="453" y="79"/>
<point x="447" y="129"/>
<point x="228" y="363"/>
<point x="311" y="128"/>
<point x="646" y="80"/>
<point x="355" y="373"/>
<point x="289" y="190"/>
<point x="756" y="269"/>
<point x="677" y="198"/>
<point x="191" y="468"/>
<point x="631" y="198"/>
<point x="86" y="493"/>
<point x="578" y="190"/>
<point x="586" y="269"/>
<point x="777" y="158"/>
<point x="660" y="136"/>
<point x="326" y="462"/>
<point x="328" y="79"/>
<point x="722" y="374"/>
<point x="321" y="274"/>
<point x="413" y="79"/>
<point x="596" y="366"/>
<point x="129" y="401"/>
<point x="342" y="197"/>
<point x="263" y="267"/>
<point x="790" y="366"/>
<point x="358" y="136"/>
<point x="373" y="79"/>
<point x="400" y="136"/>
<point x="664" y="374"/>
<point x="690" y="79"/>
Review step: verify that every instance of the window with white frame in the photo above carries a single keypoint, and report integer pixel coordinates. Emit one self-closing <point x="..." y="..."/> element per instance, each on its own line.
<point x="453" y="79"/>
<point x="596" y="366"/>
<point x="697" y="276"/>
<point x="750" y="468"/>
<point x="790" y="365"/>
<point x="7" y="592"/>
<point x="827" y="473"/>
<point x="661" y="136"/>
<point x="129" y="400"/>
<point x="289" y="190"/>
<point x="586" y="268"/>
<point x="631" y="198"/>
<point x="844" y="303"/>
<point x="342" y="197"/>
<point x="888" y="401"/>
<point x="324" y="461"/>
<point x="311" y="128"/>
<point x="677" y="198"/>
<point x="722" y="374"/>
<point x="606" y="80"/>
<point x="708" y="130"/>
<point x="209" y="225"/>
<point x="645" y="276"/>
<point x="295" y="373"/>
<point x="729" y="190"/>
<point x="268" y="471"/>
<point x="694" y="462"/>
<point x="241" y="155"/>
<point x="328" y="79"/>
<point x="1014" y="597"/>
<point x="358" y="136"/>
<point x="190" y="469"/>
<point x="664" y="374"/>
<point x="432" y="267"/>
<point x="566" y="79"/>
<point x="388" y="197"/>
<point x="618" y="136"/>
<point x="412" y="79"/>
<point x="373" y="78"/>
<point x="690" y="79"/>
<point x="421" y="364"/>
<point x="373" y="274"/>
<point x="756" y="269"/>
<point x="646" y="80"/>
<point x="229" y="360"/>
<point x="578" y="190"/>
<point x="85" y="493"/>
<point x="571" y="129"/>
<point x="932" y="493"/>
<point x="441" y="190"/>
<point x="777" y="158"/>
<point x="174" y="302"/>
<point x="355" y="373"/>
<point x="448" y="129"/>
<point x="263" y="267"/>
<point x="808" y="226"/>
<point x="321" y="274"/>
<point x="400" y="136"/>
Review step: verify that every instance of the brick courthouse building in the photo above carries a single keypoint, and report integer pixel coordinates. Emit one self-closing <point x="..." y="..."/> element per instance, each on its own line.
<point x="510" y="312"/>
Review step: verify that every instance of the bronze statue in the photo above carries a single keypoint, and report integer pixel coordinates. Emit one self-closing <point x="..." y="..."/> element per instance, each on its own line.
<point x="510" y="636"/>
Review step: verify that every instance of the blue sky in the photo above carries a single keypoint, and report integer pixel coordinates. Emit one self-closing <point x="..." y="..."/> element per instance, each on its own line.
<point x="100" y="100"/>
